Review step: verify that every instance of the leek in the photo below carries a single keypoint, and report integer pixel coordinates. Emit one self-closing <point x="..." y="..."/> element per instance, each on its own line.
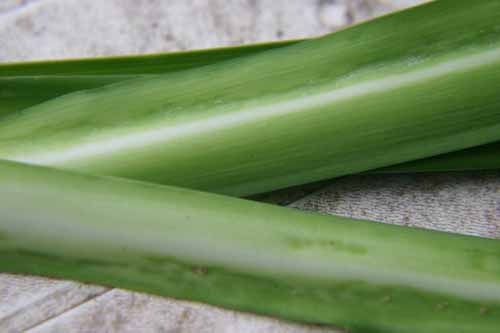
<point x="29" y="83"/>
<point x="360" y="275"/>
<point x="337" y="105"/>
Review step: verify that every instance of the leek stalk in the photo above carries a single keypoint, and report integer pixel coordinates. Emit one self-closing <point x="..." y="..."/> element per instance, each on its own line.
<point x="360" y="275"/>
<point x="29" y="83"/>
<point x="26" y="84"/>
<point x="337" y="105"/>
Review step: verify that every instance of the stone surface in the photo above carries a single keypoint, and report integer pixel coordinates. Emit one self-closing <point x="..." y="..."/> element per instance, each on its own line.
<point x="39" y="29"/>
<point x="25" y="302"/>
<point x="7" y="6"/>
<point x="455" y="202"/>
<point x="123" y="311"/>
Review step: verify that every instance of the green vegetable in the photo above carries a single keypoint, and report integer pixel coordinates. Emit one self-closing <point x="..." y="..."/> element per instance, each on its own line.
<point x="323" y="108"/>
<point x="25" y="84"/>
<point x="364" y="276"/>
<point x="136" y="65"/>
<point x="28" y="83"/>
<point x="485" y="157"/>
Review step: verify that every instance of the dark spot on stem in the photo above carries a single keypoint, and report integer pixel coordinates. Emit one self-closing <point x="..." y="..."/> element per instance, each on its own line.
<point x="299" y="243"/>
<point x="442" y="306"/>
<point x="386" y="299"/>
<point x="200" y="270"/>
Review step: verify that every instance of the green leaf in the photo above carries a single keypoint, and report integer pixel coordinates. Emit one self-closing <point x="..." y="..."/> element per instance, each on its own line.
<point x="136" y="65"/>
<point x="485" y="157"/>
<point x="415" y="84"/>
<point x="28" y="83"/>
<point x="360" y="275"/>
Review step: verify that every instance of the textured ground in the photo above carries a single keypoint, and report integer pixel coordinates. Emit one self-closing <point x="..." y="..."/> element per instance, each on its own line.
<point x="39" y="29"/>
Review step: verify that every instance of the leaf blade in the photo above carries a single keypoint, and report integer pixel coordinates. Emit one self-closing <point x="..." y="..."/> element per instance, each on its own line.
<point x="314" y="88"/>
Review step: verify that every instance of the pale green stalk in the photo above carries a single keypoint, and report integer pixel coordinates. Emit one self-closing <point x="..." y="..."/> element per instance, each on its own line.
<point x="419" y="83"/>
<point x="364" y="276"/>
